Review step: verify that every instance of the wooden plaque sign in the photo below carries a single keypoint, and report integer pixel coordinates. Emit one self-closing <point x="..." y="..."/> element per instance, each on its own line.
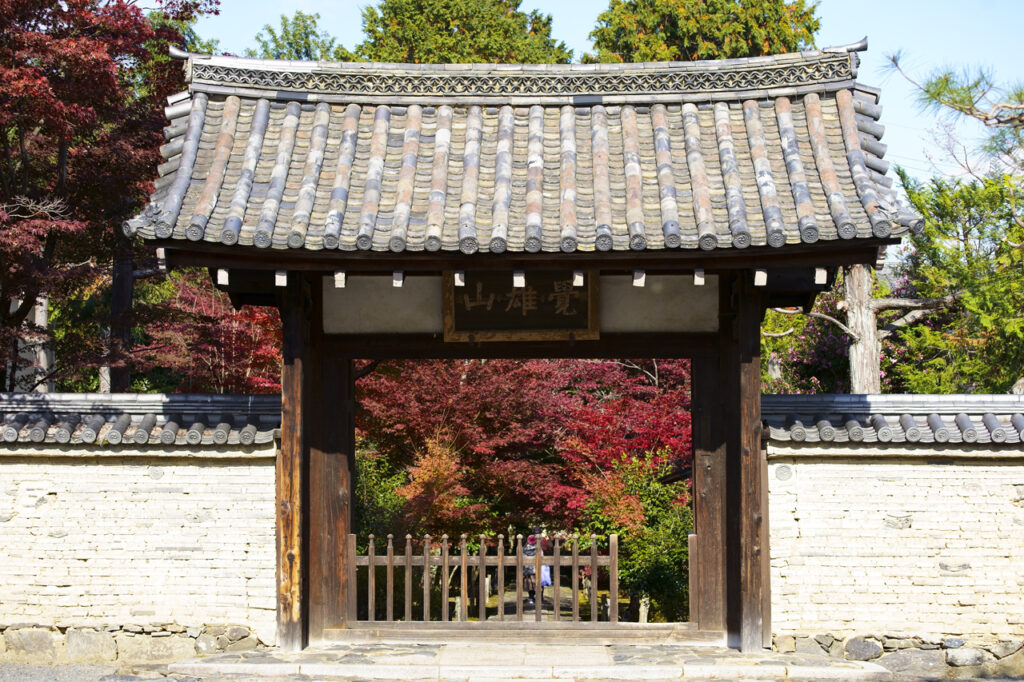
<point x="489" y="307"/>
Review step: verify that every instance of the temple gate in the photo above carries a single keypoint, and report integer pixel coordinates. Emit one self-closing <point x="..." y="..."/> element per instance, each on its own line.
<point x="473" y="211"/>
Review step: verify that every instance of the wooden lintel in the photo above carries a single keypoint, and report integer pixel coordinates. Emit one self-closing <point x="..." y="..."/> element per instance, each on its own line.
<point x="411" y="346"/>
<point x="832" y="254"/>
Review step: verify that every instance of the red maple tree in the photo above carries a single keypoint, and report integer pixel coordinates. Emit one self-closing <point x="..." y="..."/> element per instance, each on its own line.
<point x="198" y="343"/>
<point x="82" y="84"/>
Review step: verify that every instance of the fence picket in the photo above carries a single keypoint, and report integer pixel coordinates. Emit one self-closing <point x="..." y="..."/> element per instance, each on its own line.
<point x="501" y="577"/>
<point x="593" y="578"/>
<point x="463" y="580"/>
<point x="391" y="579"/>
<point x="408" y="578"/>
<point x="482" y="576"/>
<point x="613" y="578"/>
<point x="426" y="578"/>
<point x="444" y="578"/>
<point x="371" y="583"/>
<point x="353" y="593"/>
<point x="556" y="579"/>
<point x="519" y="577"/>
<point x="575" y="578"/>
<point x="538" y="559"/>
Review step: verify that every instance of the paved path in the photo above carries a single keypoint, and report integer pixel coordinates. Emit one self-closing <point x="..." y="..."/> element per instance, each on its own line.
<point x="13" y="672"/>
<point x="510" y="660"/>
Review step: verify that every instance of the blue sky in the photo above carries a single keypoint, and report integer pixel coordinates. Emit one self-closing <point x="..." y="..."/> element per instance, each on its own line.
<point x="929" y="33"/>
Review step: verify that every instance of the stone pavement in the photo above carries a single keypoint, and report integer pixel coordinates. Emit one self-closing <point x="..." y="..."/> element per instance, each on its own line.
<point x="489" y="660"/>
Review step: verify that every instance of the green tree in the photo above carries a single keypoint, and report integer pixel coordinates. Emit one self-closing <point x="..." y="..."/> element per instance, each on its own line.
<point x="970" y="246"/>
<point x="466" y="31"/>
<point x="299" y="38"/>
<point x="671" y="30"/>
<point x="653" y="521"/>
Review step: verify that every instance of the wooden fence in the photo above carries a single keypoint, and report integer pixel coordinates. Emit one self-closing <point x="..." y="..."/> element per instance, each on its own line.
<point x="475" y="572"/>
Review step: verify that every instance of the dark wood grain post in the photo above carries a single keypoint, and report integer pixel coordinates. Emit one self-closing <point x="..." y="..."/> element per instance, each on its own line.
<point x="331" y="459"/>
<point x="314" y="470"/>
<point x="291" y="468"/>
<point x="707" y="553"/>
<point x="748" y="616"/>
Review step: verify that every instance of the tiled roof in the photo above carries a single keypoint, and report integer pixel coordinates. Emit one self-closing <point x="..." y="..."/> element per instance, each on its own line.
<point x="131" y="420"/>
<point x="153" y="419"/>
<point x="771" y="151"/>
<point x="923" y="419"/>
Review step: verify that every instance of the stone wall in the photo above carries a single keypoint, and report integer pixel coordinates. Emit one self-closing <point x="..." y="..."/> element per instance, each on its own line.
<point x="135" y="541"/>
<point x="882" y="539"/>
<point x="878" y="549"/>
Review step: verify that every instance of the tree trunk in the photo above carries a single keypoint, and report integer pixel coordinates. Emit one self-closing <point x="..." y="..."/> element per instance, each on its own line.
<point x="865" y="370"/>
<point x="120" y="307"/>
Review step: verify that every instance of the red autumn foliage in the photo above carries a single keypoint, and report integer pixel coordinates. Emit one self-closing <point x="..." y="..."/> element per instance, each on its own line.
<point x="81" y="90"/>
<point x="527" y="439"/>
<point x="208" y="347"/>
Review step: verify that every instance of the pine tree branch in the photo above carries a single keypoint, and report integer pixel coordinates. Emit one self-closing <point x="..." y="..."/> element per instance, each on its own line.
<point x="908" y="319"/>
<point x="821" y="316"/>
<point x="778" y="335"/>
<point x="912" y="303"/>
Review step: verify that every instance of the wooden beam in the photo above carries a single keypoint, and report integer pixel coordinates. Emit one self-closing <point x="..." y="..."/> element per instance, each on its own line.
<point x="411" y="346"/>
<point x="708" y="598"/>
<point x="840" y="252"/>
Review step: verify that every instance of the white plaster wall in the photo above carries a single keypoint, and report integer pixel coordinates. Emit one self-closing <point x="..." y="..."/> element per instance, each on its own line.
<point x="898" y="539"/>
<point x="138" y="536"/>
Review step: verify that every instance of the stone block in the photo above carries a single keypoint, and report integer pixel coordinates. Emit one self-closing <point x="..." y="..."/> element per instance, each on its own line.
<point x="149" y="650"/>
<point x="236" y="632"/>
<point x="206" y="645"/>
<point x="34" y="645"/>
<point x="215" y="630"/>
<point x="89" y="646"/>
<point x="807" y="645"/>
<point x="915" y="663"/>
<point x="785" y="644"/>
<point x="267" y="633"/>
<point x="3" y="646"/>
<point x="952" y="642"/>
<point x="825" y="641"/>
<point x="1005" y="647"/>
<point x="965" y="656"/>
<point x="245" y="644"/>
<point x="862" y="649"/>
<point x="1012" y="666"/>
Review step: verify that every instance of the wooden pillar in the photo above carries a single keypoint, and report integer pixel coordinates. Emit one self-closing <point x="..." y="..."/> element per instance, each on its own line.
<point x="291" y="468"/>
<point x="332" y="459"/>
<point x="748" y="610"/>
<point x="313" y="472"/>
<point x="708" y="597"/>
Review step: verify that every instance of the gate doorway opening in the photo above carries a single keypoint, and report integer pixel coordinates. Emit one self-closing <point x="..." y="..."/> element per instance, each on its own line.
<point x="548" y="472"/>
